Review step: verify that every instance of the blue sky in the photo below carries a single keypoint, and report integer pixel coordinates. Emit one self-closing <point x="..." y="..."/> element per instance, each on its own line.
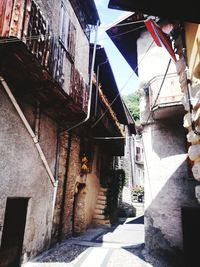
<point x="120" y="67"/>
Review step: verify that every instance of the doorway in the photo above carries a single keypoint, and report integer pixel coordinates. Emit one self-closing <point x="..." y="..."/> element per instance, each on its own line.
<point x="191" y="235"/>
<point x="13" y="232"/>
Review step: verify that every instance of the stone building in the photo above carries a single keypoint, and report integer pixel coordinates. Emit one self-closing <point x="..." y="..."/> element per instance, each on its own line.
<point x="171" y="174"/>
<point x="44" y="90"/>
<point x="54" y="147"/>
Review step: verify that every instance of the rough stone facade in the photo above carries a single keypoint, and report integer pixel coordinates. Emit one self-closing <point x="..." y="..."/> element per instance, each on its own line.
<point x="23" y="175"/>
<point x="168" y="188"/>
<point x="72" y="175"/>
<point x="168" y="185"/>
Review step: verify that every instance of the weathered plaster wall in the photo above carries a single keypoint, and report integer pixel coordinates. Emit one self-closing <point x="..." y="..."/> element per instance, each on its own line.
<point x="23" y="175"/>
<point x="93" y="185"/>
<point x="81" y="193"/>
<point x="51" y="10"/>
<point x="127" y="161"/>
<point x="72" y="176"/>
<point x="167" y="187"/>
<point x="48" y="140"/>
<point x="154" y="62"/>
<point x="62" y="184"/>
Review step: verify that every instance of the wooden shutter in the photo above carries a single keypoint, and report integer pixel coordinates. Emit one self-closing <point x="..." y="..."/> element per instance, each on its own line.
<point x="71" y="39"/>
<point x="64" y="26"/>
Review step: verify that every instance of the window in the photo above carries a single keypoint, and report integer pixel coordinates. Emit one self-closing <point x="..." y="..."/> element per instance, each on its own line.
<point x="138" y="154"/>
<point x="64" y="26"/>
<point x="67" y="33"/>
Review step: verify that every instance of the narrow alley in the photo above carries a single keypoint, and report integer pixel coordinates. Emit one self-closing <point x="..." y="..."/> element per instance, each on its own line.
<point x="100" y="133"/>
<point x="100" y="246"/>
<point x="121" y="245"/>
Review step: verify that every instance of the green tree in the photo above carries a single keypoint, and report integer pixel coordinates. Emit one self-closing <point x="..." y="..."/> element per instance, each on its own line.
<point x="132" y="102"/>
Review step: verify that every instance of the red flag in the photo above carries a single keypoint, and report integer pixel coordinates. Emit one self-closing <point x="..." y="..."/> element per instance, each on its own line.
<point x="159" y="37"/>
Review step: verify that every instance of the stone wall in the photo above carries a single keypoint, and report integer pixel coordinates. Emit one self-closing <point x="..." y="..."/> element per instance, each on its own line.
<point x="190" y="83"/>
<point x="167" y="187"/>
<point x="64" y="142"/>
<point x="23" y="175"/>
<point x="73" y="173"/>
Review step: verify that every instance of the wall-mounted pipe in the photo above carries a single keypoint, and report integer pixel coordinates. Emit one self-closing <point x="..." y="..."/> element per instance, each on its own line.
<point x="29" y="129"/>
<point x="90" y="83"/>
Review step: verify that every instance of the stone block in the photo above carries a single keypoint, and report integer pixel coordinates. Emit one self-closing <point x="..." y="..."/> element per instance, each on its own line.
<point x="194" y="152"/>
<point x="196" y="95"/>
<point x="180" y="65"/>
<point x="196" y="171"/>
<point x="183" y="81"/>
<point x="193" y="138"/>
<point x="187" y="120"/>
<point x="197" y="193"/>
<point x="185" y="102"/>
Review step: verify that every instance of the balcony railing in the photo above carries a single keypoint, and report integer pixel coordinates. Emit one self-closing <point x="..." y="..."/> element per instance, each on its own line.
<point x="79" y="90"/>
<point x="23" y="20"/>
<point x="170" y="93"/>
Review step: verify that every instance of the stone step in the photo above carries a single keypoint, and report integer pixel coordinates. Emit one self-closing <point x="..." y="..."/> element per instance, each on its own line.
<point x="101" y="197"/>
<point x="100" y="206"/>
<point x="99" y="216"/>
<point x="101" y="202"/>
<point x="102" y="222"/>
<point x="98" y="211"/>
<point x="102" y="193"/>
<point x="102" y="189"/>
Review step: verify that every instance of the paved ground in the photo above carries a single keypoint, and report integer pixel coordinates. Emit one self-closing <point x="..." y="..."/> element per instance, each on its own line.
<point x="119" y="246"/>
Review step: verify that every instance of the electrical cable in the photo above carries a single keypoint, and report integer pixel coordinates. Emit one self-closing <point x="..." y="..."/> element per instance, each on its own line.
<point x="97" y="121"/>
<point x="48" y="36"/>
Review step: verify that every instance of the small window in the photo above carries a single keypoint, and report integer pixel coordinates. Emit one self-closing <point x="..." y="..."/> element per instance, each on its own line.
<point x="71" y="39"/>
<point x="64" y="26"/>
<point x="67" y="32"/>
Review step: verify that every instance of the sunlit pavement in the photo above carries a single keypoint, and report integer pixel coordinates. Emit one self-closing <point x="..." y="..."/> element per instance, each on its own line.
<point x="119" y="246"/>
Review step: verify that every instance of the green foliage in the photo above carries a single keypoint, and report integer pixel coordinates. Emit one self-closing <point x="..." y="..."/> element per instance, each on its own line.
<point x="138" y="189"/>
<point x="132" y="102"/>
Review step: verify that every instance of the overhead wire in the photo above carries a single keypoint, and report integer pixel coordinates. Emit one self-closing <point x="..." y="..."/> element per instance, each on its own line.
<point x="47" y="36"/>
<point x="122" y="88"/>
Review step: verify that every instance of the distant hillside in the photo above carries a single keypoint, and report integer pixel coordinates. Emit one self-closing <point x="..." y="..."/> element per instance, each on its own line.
<point x="132" y="102"/>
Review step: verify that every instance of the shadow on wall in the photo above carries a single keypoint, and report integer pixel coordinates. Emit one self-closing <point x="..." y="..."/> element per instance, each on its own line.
<point x="172" y="138"/>
<point x="163" y="219"/>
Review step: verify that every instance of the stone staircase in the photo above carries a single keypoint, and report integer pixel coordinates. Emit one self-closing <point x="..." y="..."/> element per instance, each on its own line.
<point x="98" y="216"/>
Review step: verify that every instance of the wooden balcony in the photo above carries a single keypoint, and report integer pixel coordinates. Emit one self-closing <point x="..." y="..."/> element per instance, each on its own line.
<point x="167" y="102"/>
<point x="32" y="56"/>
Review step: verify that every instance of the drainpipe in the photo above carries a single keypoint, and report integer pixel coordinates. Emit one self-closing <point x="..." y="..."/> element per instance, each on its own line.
<point x="29" y="129"/>
<point x="90" y="84"/>
<point x="37" y="120"/>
